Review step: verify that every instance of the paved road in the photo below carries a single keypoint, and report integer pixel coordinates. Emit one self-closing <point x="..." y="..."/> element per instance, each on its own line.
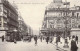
<point x="27" y="46"/>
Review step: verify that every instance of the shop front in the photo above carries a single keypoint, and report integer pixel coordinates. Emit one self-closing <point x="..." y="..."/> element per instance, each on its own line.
<point x="10" y="36"/>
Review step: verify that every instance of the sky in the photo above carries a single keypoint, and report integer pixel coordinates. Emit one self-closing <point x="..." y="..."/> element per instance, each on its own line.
<point x="33" y="11"/>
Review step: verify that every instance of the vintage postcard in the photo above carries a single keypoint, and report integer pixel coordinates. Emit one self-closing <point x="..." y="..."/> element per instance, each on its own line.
<point x="39" y="25"/>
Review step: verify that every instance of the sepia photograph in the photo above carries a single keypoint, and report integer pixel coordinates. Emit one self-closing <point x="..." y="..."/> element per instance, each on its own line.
<point x="39" y="25"/>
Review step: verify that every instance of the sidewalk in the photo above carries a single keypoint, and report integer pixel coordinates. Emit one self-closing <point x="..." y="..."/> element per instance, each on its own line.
<point x="60" y="45"/>
<point x="2" y="43"/>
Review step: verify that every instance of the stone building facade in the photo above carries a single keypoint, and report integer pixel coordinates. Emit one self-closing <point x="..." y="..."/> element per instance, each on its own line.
<point x="60" y="17"/>
<point x="8" y="18"/>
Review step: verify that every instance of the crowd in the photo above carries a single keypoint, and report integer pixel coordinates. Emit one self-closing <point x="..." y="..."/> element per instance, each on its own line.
<point x="73" y="39"/>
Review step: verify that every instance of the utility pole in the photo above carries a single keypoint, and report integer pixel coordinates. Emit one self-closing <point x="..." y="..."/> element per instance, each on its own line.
<point x="65" y="17"/>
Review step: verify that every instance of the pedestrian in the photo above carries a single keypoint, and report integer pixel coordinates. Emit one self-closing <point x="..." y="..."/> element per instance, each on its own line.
<point x="66" y="43"/>
<point x="69" y="37"/>
<point x="15" y="41"/>
<point x="51" y="39"/>
<point x="47" y="39"/>
<point x="30" y="39"/>
<point x="73" y="44"/>
<point x="3" y="38"/>
<point x="35" y="39"/>
<point x="57" y="40"/>
<point x="41" y="38"/>
<point x="73" y="36"/>
<point x="76" y="38"/>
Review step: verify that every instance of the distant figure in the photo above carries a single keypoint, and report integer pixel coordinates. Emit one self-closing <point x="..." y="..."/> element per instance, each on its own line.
<point x="3" y="38"/>
<point x="30" y="39"/>
<point x="76" y="38"/>
<point x="73" y="44"/>
<point x="66" y="43"/>
<point x="69" y="37"/>
<point x="41" y="38"/>
<point x="51" y="39"/>
<point x="73" y="36"/>
<point x="47" y="39"/>
<point x="35" y="39"/>
<point x="15" y="41"/>
<point x="21" y="37"/>
<point x="57" y="40"/>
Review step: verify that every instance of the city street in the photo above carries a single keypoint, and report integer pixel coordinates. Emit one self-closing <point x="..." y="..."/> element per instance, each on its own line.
<point x="27" y="46"/>
<point x="39" y="25"/>
<point x="30" y="46"/>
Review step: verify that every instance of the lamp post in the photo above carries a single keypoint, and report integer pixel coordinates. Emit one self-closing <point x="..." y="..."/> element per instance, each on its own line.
<point x="66" y="32"/>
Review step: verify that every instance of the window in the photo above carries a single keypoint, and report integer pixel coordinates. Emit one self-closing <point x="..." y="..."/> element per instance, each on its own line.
<point x="72" y="13"/>
<point x="77" y="15"/>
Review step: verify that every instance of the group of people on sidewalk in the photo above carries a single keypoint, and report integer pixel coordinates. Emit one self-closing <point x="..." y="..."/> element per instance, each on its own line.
<point x="73" y="39"/>
<point x="48" y="39"/>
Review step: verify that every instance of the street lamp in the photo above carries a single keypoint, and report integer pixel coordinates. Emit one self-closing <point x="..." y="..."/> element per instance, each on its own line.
<point x="66" y="22"/>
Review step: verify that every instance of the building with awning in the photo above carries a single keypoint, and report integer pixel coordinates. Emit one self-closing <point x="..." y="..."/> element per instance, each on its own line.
<point x="53" y="31"/>
<point x="60" y="18"/>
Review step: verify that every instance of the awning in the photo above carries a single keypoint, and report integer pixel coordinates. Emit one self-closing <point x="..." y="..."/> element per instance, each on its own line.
<point x="58" y="30"/>
<point x="44" y="30"/>
<point x="54" y="30"/>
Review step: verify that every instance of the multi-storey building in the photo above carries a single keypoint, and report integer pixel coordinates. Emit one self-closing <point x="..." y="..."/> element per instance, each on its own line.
<point x="60" y="18"/>
<point x="24" y="29"/>
<point x="8" y="18"/>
